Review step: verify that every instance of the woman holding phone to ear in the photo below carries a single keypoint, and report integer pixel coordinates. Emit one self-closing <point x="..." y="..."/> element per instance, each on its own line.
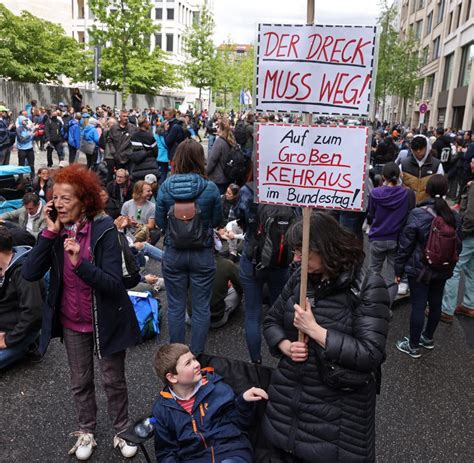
<point x="87" y="303"/>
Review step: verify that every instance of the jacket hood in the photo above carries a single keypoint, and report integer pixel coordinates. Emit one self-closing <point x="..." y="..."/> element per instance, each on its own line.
<point x="19" y="255"/>
<point x="390" y="197"/>
<point x="428" y="150"/>
<point x="89" y="128"/>
<point x="186" y="186"/>
<point x="21" y="119"/>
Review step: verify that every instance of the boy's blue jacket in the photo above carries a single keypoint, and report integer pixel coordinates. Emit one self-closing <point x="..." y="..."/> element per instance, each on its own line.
<point x="214" y="431"/>
<point x="74" y="134"/>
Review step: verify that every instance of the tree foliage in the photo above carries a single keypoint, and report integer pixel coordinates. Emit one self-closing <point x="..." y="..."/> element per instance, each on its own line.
<point x="123" y="31"/>
<point x="399" y="60"/>
<point x="201" y="68"/>
<point x="38" y="51"/>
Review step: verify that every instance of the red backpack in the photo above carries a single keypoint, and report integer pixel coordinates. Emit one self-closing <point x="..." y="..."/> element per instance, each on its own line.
<point x="441" y="248"/>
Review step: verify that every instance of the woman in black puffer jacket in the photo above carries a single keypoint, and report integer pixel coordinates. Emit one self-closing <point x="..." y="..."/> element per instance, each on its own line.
<point x="347" y="321"/>
<point x="143" y="158"/>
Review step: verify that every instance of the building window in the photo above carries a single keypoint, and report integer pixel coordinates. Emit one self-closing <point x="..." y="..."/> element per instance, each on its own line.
<point x="158" y="13"/>
<point x="450" y="22"/>
<point x="412" y="6"/>
<point x="429" y="23"/>
<point x="430" y="85"/>
<point x="421" y="4"/>
<point x="169" y="42"/>
<point x="436" y="42"/>
<point x="418" y="29"/>
<point x="458" y="15"/>
<point x="448" y="71"/>
<point x="424" y="58"/>
<point x="441" y="9"/>
<point x="170" y="13"/>
<point x="468" y="11"/>
<point x="466" y="64"/>
<point x="420" y="91"/>
<point x="80" y="9"/>
<point x="158" y="41"/>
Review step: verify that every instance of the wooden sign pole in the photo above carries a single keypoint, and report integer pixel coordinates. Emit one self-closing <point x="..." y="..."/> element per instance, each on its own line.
<point x="306" y="210"/>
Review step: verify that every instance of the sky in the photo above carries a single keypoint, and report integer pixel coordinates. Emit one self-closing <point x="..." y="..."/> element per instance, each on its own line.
<point x="238" y="19"/>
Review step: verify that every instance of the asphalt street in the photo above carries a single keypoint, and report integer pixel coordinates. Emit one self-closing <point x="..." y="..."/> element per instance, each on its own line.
<point x="424" y="414"/>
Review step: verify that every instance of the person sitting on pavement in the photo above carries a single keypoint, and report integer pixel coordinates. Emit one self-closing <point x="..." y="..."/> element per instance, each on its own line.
<point x="30" y="216"/>
<point x="153" y="182"/>
<point x="196" y="408"/>
<point x="43" y="184"/>
<point x="20" y="303"/>
<point x="120" y="191"/>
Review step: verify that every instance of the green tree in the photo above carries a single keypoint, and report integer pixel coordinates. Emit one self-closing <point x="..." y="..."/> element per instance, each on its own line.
<point x="399" y="60"/>
<point x="227" y="72"/>
<point x="38" y="51"/>
<point x="123" y="31"/>
<point x="201" y="68"/>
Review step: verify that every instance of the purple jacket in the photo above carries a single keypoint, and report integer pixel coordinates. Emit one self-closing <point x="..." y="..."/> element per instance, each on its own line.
<point x="388" y="211"/>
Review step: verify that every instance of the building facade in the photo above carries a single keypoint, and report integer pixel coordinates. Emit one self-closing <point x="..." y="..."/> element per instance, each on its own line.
<point x="445" y="30"/>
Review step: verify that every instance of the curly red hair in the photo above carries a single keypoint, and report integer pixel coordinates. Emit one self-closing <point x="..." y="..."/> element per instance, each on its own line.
<point x="86" y="186"/>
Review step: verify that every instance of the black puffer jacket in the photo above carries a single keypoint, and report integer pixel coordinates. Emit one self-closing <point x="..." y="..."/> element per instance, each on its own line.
<point x="304" y="416"/>
<point x="143" y="156"/>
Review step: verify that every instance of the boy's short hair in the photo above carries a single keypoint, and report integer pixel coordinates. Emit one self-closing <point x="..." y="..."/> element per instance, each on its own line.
<point x="166" y="359"/>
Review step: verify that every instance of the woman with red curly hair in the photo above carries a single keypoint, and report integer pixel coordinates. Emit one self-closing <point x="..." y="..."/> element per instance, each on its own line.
<point x="87" y="303"/>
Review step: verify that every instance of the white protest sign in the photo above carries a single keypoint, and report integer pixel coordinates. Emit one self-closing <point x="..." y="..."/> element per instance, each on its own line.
<point x="312" y="166"/>
<point x="319" y="69"/>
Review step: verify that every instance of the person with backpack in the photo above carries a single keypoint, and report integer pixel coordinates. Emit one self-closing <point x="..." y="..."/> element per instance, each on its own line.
<point x="265" y="258"/>
<point x="175" y="132"/>
<point x="387" y="213"/>
<point x="163" y="158"/>
<point x="54" y="138"/>
<point x="465" y="263"/>
<point x="188" y="208"/>
<point x="144" y="152"/>
<point x="90" y="142"/>
<point x="427" y="253"/>
<point x="225" y="142"/>
<point x="74" y="137"/>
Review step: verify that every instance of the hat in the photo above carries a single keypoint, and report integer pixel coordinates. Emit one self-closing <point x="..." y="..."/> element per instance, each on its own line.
<point x="150" y="178"/>
<point x="3" y="109"/>
<point x="61" y="104"/>
<point x="93" y="122"/>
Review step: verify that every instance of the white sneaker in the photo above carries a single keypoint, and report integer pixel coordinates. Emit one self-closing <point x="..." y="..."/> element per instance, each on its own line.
<point x="84" y="445"/>
<point x="402" y="289"/>
<point x="127" y="450"/>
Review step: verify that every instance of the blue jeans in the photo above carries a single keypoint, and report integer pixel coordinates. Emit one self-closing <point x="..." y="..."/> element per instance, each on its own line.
<point x="466" y="264"/>
<point x="15" y="353"/>
<point x="153" y="252"/>
<point x="194" y="268"/>
<point x="253" y="282"/>
<point x="420" y="294"/>
<point x="164" y="169"/>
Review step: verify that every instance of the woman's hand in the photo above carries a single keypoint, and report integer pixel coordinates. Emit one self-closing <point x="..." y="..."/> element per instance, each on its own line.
<point x="73" y="249"/>
<point x="55" y="226"/>
<point x="304" y="319"/>
<point x="121" y="222"/>
<point x="296" y="351"/>
<point x="254" y="394"/>
<point x="151" y="279"/>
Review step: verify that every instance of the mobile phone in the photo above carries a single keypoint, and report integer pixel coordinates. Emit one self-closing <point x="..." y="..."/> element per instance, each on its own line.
<point x="53" y="213"/>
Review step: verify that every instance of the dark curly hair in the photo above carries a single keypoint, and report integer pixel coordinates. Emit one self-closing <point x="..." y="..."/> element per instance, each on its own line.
<point x="338" y="249"/>
<point x="86" y="186"/>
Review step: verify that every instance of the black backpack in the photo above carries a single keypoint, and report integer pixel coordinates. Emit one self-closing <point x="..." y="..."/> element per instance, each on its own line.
<point x="240" y="133"/>
<point x="185" y="228"/>
<point x="269" y="248"/>
<point x="130" y="266"/>
<point x="235" y="165"/>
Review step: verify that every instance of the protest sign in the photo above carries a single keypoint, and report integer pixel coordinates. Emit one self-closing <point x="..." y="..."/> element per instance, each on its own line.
<point x="319" y="69"/>
<point x="312" y="166"/>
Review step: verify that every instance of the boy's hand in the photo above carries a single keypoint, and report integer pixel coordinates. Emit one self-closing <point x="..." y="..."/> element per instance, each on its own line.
<point x="254" y="394"/>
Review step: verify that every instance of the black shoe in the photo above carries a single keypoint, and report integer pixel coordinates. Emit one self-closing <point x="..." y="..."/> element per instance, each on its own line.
<point x="33" y="353"/>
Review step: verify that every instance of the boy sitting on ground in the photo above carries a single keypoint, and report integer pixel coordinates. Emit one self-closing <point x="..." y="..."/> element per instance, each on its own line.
<point x="198" y="417"/>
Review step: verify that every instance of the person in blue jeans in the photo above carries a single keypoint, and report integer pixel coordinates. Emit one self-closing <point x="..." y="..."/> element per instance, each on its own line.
<point x="189" y="267"/>
<point x="426" y="283"/>
<point x="20" y="303"/>
<point x="465" y="262"/>
<point x="253" y="280"/>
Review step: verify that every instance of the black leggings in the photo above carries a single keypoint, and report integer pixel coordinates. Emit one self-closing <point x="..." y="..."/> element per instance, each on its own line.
<point x="27" y="155"/>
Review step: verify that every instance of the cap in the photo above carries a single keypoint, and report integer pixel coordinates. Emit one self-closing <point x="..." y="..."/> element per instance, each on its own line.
<point x="150" y="178"/>
<point x="61" y="104"/>
<point x="3" y="109"/>
<point x="93" y="122"/>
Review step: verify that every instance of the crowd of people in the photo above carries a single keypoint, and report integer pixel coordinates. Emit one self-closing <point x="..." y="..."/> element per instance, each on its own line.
<point x="149" y="191"/>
